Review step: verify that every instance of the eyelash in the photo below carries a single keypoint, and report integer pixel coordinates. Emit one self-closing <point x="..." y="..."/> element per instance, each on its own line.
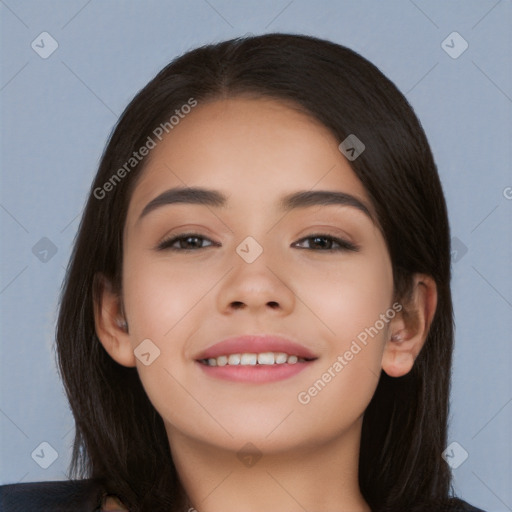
<point x="344" y="245"/>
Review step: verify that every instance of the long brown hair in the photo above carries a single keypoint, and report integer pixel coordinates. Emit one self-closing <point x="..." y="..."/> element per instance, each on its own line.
<point x="120" y="437"/>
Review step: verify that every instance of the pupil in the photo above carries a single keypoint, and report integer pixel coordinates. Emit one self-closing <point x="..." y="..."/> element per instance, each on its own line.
<point x="320" y="243"/>
<point x="194" y="238"/>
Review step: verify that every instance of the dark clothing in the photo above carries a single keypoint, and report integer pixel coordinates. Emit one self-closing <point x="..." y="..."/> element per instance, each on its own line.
<point x="65" y="496"/>
<point x="86" y="496"/>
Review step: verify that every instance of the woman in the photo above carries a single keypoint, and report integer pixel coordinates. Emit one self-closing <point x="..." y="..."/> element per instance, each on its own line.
<point x="257" y="313"/>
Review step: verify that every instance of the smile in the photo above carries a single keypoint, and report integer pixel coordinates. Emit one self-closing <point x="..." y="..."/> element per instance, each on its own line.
<point x="254" y="359"/>
<point x="250" y="359"/>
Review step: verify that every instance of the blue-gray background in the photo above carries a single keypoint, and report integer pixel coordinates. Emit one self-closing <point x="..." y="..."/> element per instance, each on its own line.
<point x="58" y="112"/>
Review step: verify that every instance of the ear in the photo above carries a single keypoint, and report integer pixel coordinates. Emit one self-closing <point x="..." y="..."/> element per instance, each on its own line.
<point x="410" y="327"/>
<point x="110" y="323"/>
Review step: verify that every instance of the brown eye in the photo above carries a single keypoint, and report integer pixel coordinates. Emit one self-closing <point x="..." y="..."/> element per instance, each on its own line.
<point x="327" y="243"/>
<point x="185" y="242"/>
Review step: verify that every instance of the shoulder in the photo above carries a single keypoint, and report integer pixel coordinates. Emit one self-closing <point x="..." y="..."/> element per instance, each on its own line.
<point x="462" y="506"/>
<point x="59" y="496"/>
<point x="458" y="505"/>
<point x="451" y="504"/>
<point x="446" y="505"/>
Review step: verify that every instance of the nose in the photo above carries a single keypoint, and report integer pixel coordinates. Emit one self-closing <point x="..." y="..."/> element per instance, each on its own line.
<point x="256" y="287"/>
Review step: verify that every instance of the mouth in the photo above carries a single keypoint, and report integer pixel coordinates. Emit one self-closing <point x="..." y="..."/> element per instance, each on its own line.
<point x="252" y="359"/>
<point x="255" y="358"/>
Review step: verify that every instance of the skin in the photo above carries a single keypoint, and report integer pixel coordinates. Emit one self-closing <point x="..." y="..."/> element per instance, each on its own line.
<point x="255" y="151"/>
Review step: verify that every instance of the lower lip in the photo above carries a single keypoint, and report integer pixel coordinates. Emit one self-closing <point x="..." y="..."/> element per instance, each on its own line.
<point x="255" y="373"/>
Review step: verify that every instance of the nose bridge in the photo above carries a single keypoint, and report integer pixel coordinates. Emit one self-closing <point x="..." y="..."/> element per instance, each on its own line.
<point x="255" y="280"/>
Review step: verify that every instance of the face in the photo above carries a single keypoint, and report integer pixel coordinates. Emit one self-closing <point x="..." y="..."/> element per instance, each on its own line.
<point x="316" y="274"/>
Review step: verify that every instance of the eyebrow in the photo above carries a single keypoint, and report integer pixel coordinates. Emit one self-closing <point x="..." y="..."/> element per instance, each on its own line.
<point x="215" y="198"/>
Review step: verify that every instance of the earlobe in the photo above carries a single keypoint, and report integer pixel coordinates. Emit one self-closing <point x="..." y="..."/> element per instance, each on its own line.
<point x="409" y="330"/>
<point x="397" y="363"/>
<point x="111" y="326"/>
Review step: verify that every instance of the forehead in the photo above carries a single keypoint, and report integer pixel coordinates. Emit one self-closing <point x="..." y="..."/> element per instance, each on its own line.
<point x="254" y="149"/>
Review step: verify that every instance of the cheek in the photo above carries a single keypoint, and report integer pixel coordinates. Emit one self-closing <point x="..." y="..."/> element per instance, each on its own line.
<point x="161" y="304"/>
<point x="158" y="294"/>
<point x="353" y="309"/>
<point x="348" y="297"/>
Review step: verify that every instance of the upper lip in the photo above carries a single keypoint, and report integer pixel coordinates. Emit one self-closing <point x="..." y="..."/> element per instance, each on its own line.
<point x="256" y="344"/>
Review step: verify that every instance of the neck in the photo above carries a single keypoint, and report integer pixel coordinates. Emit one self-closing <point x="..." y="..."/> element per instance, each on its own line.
<point x="322" y="476"/>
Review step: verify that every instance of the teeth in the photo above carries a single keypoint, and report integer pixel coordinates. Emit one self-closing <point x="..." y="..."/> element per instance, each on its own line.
<point x="248" y="359"/>
<point x="266" y="358"/>
<point x="234" y="359"/>
<point x="281" y="358"/>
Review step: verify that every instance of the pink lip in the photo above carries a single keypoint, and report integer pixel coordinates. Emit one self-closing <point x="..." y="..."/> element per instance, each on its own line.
<point x="258" y="373"/>
<point x="255" y="344"/>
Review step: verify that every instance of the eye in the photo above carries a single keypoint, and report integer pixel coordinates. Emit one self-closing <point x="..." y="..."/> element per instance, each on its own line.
<point x="324" y="242"/>
<point x="188" y="242"/>
<point x="185" y="242"/>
